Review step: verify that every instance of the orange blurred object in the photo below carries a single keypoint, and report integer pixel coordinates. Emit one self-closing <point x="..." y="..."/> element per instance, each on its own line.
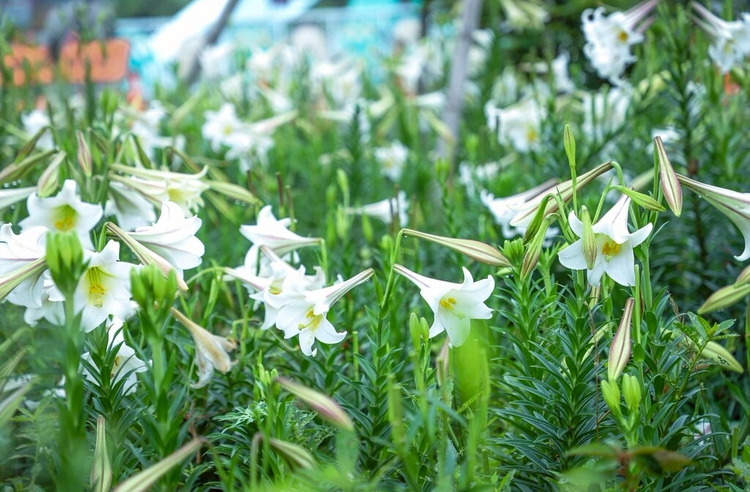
<point x="108" y="65"/>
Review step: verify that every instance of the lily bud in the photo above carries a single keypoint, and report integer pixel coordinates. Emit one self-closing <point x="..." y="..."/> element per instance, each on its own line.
<point x="65" y="260"/>
<point x="10" y="280"/>
<point x="668" y="181"/>
<point x="611" y="395"/>
<point x="722" y="357"/>
<point x="724" y="297"/>
<point x="145" y="255"/>
<point x="569" y="142"/>
<point x="17" y="170"/>
<point x="619" y="351"/>
<point x="233" y="191"/>
<point x="101" y="470"/>
<point x="589" y="239"/>
<point x="534" y="250"/>
<point x="565" y="190"/>
<point x="84" y="155"/>
<point x="476" y="250"/>
<point x="296" y="455"/>
<point x="49" y="181"/>
<point x="442" y="363"/>
<point x="322" y="404"/>
<point x="419" y="330"/>
<point x="396" y="414"/>
<point x="631" y="391"/>
<point x="641" y="199"/>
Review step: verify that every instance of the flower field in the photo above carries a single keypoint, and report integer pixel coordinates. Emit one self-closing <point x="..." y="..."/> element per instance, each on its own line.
<point x="510" y="255"/>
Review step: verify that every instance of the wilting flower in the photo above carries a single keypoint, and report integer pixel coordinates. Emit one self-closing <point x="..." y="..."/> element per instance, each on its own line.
<point x="275" y="233"/>
<point x="63" y="212"/>
<point x="211" y="351"/>
<point x="454" y="305"/>
<point x="608" y="39"/>
<point x="126" y="363"/>
<point x="104" y="288"/>
<point x="386" y="210"/>
<point x="733" y="204"/>
<point x="304" y="312"/>
<point x="731" y="40"/>
<point x="392" y="160"/>
<point x="173" y="238"/>
<point x="614" y="246"/>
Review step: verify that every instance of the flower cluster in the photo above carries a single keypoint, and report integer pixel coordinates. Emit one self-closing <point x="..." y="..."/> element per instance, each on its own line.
<point x="294" y="302"/>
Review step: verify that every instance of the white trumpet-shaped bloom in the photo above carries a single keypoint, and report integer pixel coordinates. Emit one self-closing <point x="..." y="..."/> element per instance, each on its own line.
<point x="173" y="237"/>
<point x="454" y="305"/>
<point x="731" y="40"/>
<point x="275" y="233"/>
<point x="63" y="212"/>
<point x="304" y="311"/>
<point x="104" y="288"/>
<point x="614" y="246"/>
<point x="386" y="210"/>
<point x="18" y="251"/>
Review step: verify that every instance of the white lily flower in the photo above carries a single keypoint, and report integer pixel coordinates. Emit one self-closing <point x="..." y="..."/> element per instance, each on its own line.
<point x="126" y="363"/>
<point x="731" y="40"/>
<point x="386" y="210"/>
<point x="304" y="312"/>
<point x="35" y="121"/>
<point x="104" y="289"/>
<point x="733" y="204"/>
<point x="220" y="125"/>
<point x="129" y="206"/>
<point x="11" y="196"/>
<point x="211" y="351"/>
<point x="608" y="39"/>
<point x="50" y="305"/>
<point x="18" y="251"/>
<point x="454" y="305"/>
<point x="392" y="159"/>
<point x="63" y="212"/>
<point x="173" y="238"/>
<point x="275" y="233"/>
<point x="159" y="186"/>
<point x="519" y="126"/>
<point x="614" y="246"/>
<point x="505" y="209"/>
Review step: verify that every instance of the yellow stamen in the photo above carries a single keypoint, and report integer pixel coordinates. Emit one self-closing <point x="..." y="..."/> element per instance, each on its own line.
<point x="610" y="249"/>
<point x="622" y="36"/>
<point x="97" y="290"/>
<point x="314" y="322"/>
<point x="65" y="218"/>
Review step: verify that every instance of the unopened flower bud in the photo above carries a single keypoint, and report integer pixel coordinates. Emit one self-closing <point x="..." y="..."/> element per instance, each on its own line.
<point x="721" y="356"/>
<point x="588" y="239"/>
<point x="84" y="155"/>
<point x="49" y="180"/>
<point x="396" y="414"/>
<point x="101" y="470"/>
<point x="534" y="250"/>
<point x="670" y="186"/>
<point x="294" y="454"/>
<point x="640" y="199"/>
<point x="724" y="297"/>
<point x="65" y="260"/>
<point x="611" y="395"/>
<point x="419" y="330"/>
<point x="322" y="404"/>
<point x="631" y="392"/>
<point x="619" y="351"/>
<point x="476" y="250"/>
